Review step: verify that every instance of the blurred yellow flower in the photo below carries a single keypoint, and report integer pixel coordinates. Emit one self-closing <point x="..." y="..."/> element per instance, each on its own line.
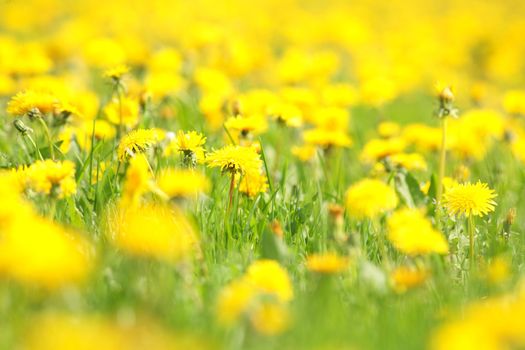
<point x="123" y="112"/>
<point x="327" y="263"/>
<point x="404" y="278"/>
<point x="412" y="233"/>
<point x="135" y="142"/>
<point x="253" y="183"/>
<point x="369" y="198"/>
<point x="52" y="178"/>
<point x="30" y="101"/>
<point x="178" y="183"/>
<point x="154" y="231"/>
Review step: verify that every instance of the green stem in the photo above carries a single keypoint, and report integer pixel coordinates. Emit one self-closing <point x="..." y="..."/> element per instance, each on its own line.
<point x="441" y="174"/>
<point x="471" y="231"/>
<point x="48" y="136"/>
<point x="34" y="145"/>
<point x="232" y="186"/>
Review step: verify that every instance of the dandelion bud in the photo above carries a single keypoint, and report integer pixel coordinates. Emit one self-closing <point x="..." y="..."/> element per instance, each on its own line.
<point x="34" y="113"/>
<point x="446" y="95"/>
<point x="21" y="127"/>
<point x="509" y="220"/>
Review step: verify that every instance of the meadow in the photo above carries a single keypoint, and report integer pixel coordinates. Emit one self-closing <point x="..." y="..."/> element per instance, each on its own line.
<point x="292" y="174"/>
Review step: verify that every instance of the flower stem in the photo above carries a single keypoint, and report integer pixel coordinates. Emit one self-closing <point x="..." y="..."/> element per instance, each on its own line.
<point x="48" y="136"/>
<point x="232" y="186"/>
<point x="441" y="174"/>
<point x="471" y="231"/>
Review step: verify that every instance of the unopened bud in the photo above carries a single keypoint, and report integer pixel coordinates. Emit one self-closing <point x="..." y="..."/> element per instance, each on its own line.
<point x="276" y="228"/>
<point x="21" y="127"/>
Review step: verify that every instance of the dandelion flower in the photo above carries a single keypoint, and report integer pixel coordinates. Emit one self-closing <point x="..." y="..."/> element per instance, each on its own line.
<point x="125" y="112"/>
<point x="153" y="231"/>
<point x="406" y="277"/>
<point x="412" y="233"/>
<point x="235" y="159"/>
<point x="29" y="101"/>
<point x="253" y="183"/>
<point x="52" y="177"/>
<point x="369" y="198"/>
<point x="116" y="72"/>
<point x="182" y="183"/>
<point x="327" y="263"/>
<point x="269" y="318"/>
<point x="470" y="199"/>
<point x="190" y="144"/>
<point x="137" y="141"/>
<point x="270" y="278"/>
<point x="327" y="138"/>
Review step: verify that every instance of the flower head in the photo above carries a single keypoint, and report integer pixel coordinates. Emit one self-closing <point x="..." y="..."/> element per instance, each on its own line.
<point x="125" y="112"/>
<point x="52" y="177"/>
<point x="30" y="101"/>
<point x="137" y="141"/>
<point x="327" y="263"/>
<point x="253" y="183"/>
<point x="235" y="159"/>
<point x="412" y="233"/>
<point x="369" y="198"/>
<point x="470" y="199"/>
<point x="182" y="183"/>
<point x="190" y="144"/>
<point x="116" y="72"/>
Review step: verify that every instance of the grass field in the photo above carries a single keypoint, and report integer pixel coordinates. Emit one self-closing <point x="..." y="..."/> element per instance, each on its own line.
<point x="262" y="175"/>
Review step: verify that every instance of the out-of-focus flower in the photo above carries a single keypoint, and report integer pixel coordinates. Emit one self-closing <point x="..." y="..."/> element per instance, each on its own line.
<point x="405" y="277"/>
<point x="369" y="198"/>
<point x="327" y="263"/>
<point x="411" y="233"/>
<point x="52" y="178"/>
<point x="253" y="183"/>
<point x="123" y="112"/>
<point x="182" y="183"/>
<point x="151" y="230"/>
<point x="190" y="144"/>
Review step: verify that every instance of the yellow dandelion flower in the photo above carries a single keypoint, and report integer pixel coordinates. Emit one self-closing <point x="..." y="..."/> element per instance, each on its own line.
<point x="178" y="183"/>
<point x="30" y="101"/>
<point x="190" y="144"/>
<point x="270" y="318"/>
<point x="137" y="141"/>
<point x="369" y="198"/>
<point x="52" y="177"/>
<point x="38" y="252"/>
<point x="406" y="277"/>
<point x="234" y="300"/>
<point x="498" y="270"/>
<point x="253" y="183"/>
<point x="412" y="233"/>
<point x="270" y="278"/>
<point x="388" y="129"/>
<point x="125" y="112"/>
<point x="327" y="138"/>
<point x="377" y="149"/>
<point x="139" y="181"/>
<point x="304" y="152"/>
<point x="409" y="161"/>
<point x="254" y="124"/>
<point x="116" y="72"/>
<point x="470" y="199"/>
<point x="153" y="231"/>
<point x="327" y="263"/>
<point x="235" y="159"/>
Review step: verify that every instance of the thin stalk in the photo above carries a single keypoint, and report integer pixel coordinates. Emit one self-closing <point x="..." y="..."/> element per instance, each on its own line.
<point x="471" y="231"/>
<point x="34" y="145"/>
<point x="48" y="136"/>
<point x="441" y="174"/>
<point x="232" y="186"/>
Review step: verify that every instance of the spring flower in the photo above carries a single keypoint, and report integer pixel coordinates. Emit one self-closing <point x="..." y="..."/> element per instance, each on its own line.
<point x="304" y="153"/>
<point x="369" y="198"/>
<point x="190" y="144"/>
<point x="235" y="159"/>
<point x="153" y="231"/>
<point x="244" y="126"/>
<point x="470" y="199"/>
<point x="52" y="178"/>
<point x="262" y="294"/>
<point x="388" y="129"/>
<point x="327" y="263"/>
<point x="29" y="101"/>
<point x="377" y="149"/>
<point x="270" y="318"/>
<point x="412" y="233"/>
<point x="139" y="181"/>
<point x="514" y="102"/>
<point x="409" y="161"/>
<point x="404" y="278"/>
<point x="137" y="141"/>
<point x="116" y="72"/>
<point x="182" y="183"/>
<point x="253" y="183"/>
<point x="327" y="138"/>
<point x="125" y="112"/>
